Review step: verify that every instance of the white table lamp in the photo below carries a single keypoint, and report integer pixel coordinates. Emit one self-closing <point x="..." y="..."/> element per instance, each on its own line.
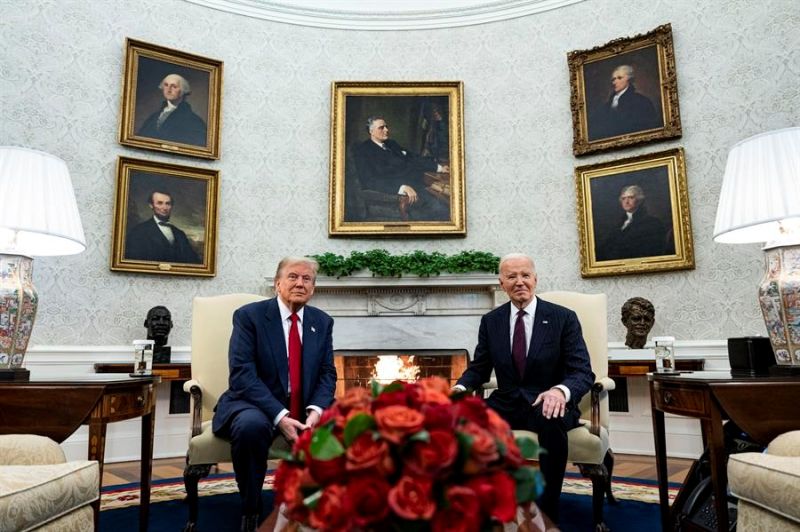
<point x="39" y="216"/>
<point x="760" y="202"/>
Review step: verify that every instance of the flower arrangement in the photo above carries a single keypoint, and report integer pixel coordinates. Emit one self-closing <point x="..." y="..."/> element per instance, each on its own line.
<point x="407" y="456"/>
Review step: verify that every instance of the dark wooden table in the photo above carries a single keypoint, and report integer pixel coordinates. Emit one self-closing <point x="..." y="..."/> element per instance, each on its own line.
<point x="173" y="371"/>
<point x="763" y="407"/>
<point x="640" y="368"/>
<point x="56" y="407"/>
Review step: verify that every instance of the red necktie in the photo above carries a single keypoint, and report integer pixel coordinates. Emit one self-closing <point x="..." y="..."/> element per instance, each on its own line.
<point x="295" y="369"/>
<point x="518" y="347"/>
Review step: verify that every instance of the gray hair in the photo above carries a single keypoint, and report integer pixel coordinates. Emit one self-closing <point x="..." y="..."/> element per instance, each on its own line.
<point x="186" y="89"/>
<point x="635" y="189"/>
<point x="627" y="69"/>
<point x="513" y="256"/>
<point x="371" y="120"/>
<point x="292" y="260"/>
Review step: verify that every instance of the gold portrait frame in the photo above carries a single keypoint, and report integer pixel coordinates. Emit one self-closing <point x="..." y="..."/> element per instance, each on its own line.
<point x="595" y="127"/>
<point x="194" y="194"/>
<point x="662" y="241"/>
<point x="146" y="65"/>
<point x="412" y="106"/>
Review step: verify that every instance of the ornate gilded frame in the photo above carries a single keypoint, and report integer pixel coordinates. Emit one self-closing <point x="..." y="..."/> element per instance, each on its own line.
<point x="195" y="193"/>
<point x="401" y="102"/>
<point x="662" y="176"/>
<point x="653" y="57"/>
<point x="145" y="66"/>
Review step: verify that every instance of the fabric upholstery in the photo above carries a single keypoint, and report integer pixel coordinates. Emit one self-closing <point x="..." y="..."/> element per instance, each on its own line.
<point x="39" y="487"/>
<point x="753" y="518"/>
<point x="767" y="484"/>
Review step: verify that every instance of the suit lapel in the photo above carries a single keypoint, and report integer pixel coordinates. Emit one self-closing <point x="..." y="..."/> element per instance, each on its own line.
<point x="277" y="344"/>
<point x="311" y="349"/>
<point x="541" y="328"/>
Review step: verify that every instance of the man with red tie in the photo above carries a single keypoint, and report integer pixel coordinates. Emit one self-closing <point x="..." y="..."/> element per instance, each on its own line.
<point x="281" y="377"/>
<point x="537" y="352"/>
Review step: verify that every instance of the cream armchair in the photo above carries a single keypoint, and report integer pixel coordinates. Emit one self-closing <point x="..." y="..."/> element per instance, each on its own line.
<point x="768" y="485"/>
<point x="588" y="444"/>
<point x="212" y="323"/>
<point x="40" y="490"/>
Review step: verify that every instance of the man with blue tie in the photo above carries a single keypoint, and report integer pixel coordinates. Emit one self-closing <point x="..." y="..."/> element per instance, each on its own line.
<point x="281" y="377"/>
<point x="537" y="352"/>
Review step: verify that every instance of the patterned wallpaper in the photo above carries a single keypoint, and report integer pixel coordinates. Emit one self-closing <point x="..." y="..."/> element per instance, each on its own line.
<point x="738" y="67"/>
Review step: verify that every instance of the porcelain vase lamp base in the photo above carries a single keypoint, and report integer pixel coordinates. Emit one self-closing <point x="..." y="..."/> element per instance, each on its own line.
<point x="18" y="302"/>
<point x="779" y="297"/>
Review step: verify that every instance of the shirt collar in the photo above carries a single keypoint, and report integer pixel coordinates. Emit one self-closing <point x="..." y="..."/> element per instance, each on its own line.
<point x="530" y="309"/>
<point x="285" y="312"/>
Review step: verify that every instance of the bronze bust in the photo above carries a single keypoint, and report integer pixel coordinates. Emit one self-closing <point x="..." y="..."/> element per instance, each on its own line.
<point x="638" y="316"/>
<point x="159" y="324"/>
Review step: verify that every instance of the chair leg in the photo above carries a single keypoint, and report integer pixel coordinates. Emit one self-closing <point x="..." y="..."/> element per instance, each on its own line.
<point x="599" y="475"/>
<point x="191" y="477"/>
<point x="608" y="461"/>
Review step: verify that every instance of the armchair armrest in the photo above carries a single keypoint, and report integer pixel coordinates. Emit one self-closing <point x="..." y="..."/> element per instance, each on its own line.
<point x="602" y="384"/>
<point x="193" y="388"/>
<point x="29" y="449"/>
<point x="607" y="383"/>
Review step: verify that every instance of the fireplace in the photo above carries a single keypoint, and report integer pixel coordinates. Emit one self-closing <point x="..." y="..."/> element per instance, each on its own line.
<point x="358" y="367"/>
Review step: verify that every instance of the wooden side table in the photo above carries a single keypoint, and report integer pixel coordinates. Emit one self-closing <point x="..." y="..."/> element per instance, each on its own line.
<point x="56" y="407"/>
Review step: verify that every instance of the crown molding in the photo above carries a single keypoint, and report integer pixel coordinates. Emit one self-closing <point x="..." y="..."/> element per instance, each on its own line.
<point x="384" y="15"/>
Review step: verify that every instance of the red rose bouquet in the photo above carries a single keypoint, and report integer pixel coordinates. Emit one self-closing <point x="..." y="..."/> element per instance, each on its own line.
<point x="407" y="456"/>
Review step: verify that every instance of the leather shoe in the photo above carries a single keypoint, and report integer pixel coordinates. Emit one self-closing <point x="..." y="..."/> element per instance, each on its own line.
<point x="249" y="523"/>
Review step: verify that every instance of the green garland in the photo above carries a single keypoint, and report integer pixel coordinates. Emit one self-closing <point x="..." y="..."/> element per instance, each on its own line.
<point x="381" y="263"/>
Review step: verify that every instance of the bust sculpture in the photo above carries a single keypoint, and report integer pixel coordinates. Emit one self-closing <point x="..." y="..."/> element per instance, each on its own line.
<point x="638" y="316"/>
<point x="159" y="324"/>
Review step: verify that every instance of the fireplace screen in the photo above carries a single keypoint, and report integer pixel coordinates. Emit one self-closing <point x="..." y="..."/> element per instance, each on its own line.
<point x="357" y="367"/>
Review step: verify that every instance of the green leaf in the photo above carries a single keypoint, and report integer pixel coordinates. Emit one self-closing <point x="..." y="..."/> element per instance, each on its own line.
<point x="422" y="435"/>
<point x="312" y="500"/>
<point x="530" y="484"/>
<point x="528" y="447"/>
<point x="356" y="426"/>
<point x="376" y="388"/>
<point x="281" y="454"/>
<point x="381" y="263"/>
<point x="324" y="445"/>
<point x="396" y="386"/>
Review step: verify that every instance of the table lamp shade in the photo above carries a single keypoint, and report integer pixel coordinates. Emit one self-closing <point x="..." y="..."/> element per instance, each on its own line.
<point x="39" y="216"/>
<point x="760" y="196"/>
<point x="760" y="202"/>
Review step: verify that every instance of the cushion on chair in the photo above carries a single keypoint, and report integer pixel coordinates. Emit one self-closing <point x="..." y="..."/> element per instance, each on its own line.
<point x="31" y="495"/>
<point x="584" y="447"/>
<point x="206" y="448"/>
<point x="787" y="444"/>
<point x="752" y="518"/>
<point x="768" y="481"/>
<point x="29" y="449"/>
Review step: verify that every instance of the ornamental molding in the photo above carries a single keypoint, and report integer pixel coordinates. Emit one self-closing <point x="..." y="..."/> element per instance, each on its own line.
<point x="384" y="15"/>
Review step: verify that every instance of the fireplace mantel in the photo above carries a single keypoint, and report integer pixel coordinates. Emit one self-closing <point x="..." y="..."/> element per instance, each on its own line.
<point x="471" y="294"/>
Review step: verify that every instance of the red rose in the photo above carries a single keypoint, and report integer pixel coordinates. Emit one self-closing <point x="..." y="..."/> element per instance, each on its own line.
<point x="396" y="422"/>
<point x="327" y="471"/>
<point x="368" y="496"/>
<point x="497" y="424"/>
<point x="436" y="384"/>
<point x="411" y="499"/>
<point x="482" y="450"/>
<point x="301" y="444"/>
<point x="462" y="513"/>
<point x="354" y="398"/>
<point x="431" y="457"/>
<point x="473" y="409"/>
<point x="333" y="510"/>
<point x="497" y="493"/>
<point x="397" y="397"/>
<point x="367" y="453"/>
<point x="438" y="417"/>
<point x="288" y="484"/>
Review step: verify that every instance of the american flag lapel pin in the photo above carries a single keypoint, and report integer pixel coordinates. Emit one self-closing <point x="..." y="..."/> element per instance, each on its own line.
<point x="545" y="322"/>
<point x="313" y="329"/>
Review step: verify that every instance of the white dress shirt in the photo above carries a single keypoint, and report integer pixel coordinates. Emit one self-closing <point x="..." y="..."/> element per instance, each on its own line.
<point x="166" y="230"/>
<point x="615" y="101"/>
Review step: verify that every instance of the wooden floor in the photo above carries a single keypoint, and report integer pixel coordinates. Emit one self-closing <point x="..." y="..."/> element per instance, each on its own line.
<point x="626" y="465"/>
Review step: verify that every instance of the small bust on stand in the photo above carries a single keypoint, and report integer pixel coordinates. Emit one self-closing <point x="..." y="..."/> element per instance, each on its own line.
<point x="159" y="324"/>
<point x="638" y="316"/>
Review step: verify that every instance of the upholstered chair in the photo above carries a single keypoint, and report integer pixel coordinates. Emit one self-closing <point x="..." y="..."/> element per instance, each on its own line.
<point x="768" y="486"/>
<point x="589" y="447"/>
<point x="40" y="490"/>
<point x="212" y="323"/>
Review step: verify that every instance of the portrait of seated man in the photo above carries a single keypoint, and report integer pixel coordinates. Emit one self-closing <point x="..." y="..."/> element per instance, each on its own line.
<point x="637" y="233"/>
<point x="626" y="110"/>
<point x="385" y="166"/>
<point x="175" y="120"/>
<point x="158" y="239"/>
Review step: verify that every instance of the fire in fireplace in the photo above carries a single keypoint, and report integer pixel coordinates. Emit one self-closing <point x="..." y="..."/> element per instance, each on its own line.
<point x="357" y="367"/>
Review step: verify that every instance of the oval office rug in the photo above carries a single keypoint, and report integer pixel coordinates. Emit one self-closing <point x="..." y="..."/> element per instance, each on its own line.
<point x="219" y="505"/>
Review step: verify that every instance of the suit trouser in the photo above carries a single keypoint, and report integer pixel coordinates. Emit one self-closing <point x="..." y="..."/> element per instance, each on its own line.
<point x="251" y="435"/>
<point x="553" y="440"/>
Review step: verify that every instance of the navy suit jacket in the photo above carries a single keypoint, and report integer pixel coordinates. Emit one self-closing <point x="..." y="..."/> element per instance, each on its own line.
<point x="557" y="355"/>
<point x="146" y="242"/>
<point x="259" y="367"/>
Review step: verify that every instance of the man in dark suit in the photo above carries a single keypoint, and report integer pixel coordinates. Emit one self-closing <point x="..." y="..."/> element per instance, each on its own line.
<point x="266" y="369"/>
<point x="537" y="352"/>
<point x="637" y="233"/>
<point x="174" y="120"/>
<point x="384" y="165"/>
<point x="158" y="239"/>
<point x="626" y="110"/>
